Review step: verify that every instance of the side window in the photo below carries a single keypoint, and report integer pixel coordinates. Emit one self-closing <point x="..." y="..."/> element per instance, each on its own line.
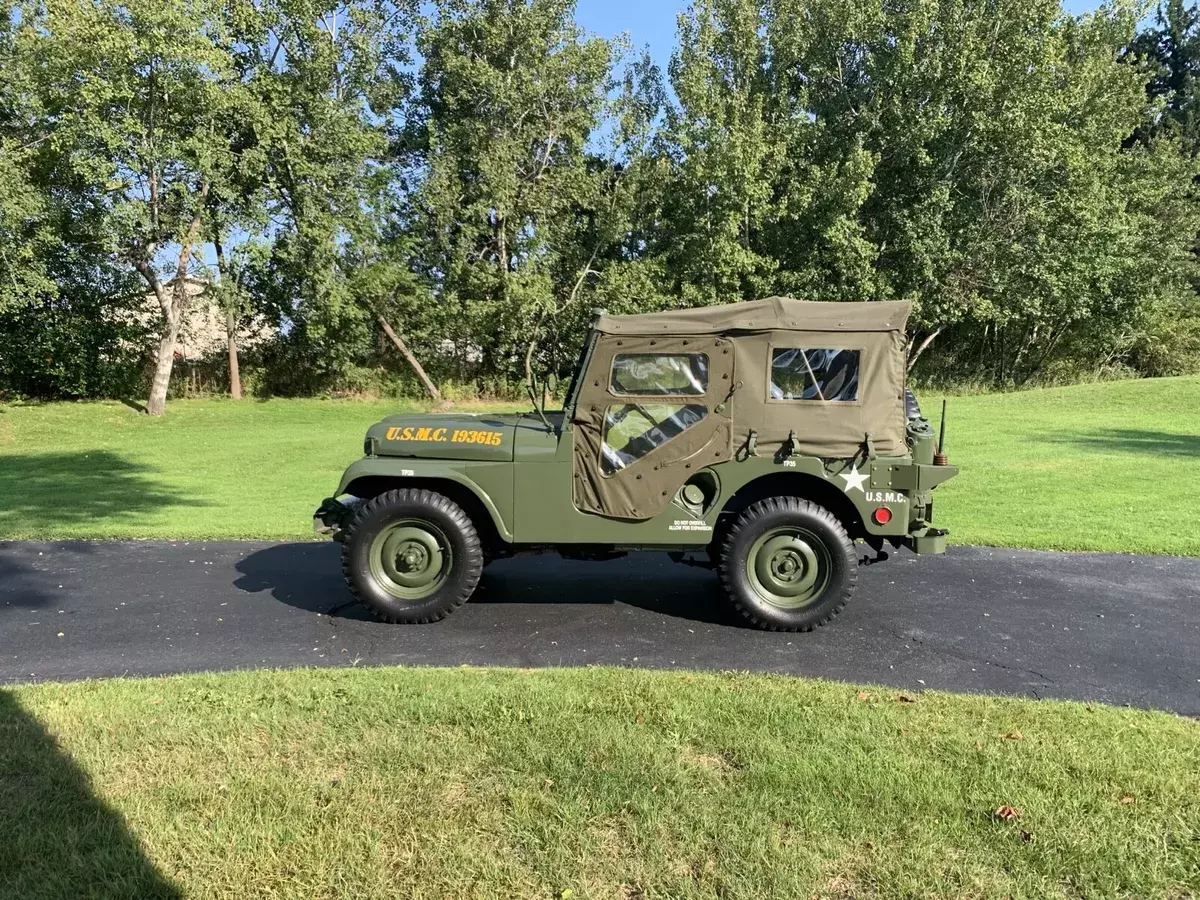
<point x="660" y="374"/>
<point x="806" y="374"/>
<point x="631" y="430"/>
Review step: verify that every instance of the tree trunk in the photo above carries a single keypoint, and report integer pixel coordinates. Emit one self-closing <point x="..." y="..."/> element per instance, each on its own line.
<point x="922" y="347"/>
<point x="164" y="361"/>
<point x="235" y="376"/>
<point x="156" y="404"/>
<point x="412" y="360"/>
<point x="173" y="309"/>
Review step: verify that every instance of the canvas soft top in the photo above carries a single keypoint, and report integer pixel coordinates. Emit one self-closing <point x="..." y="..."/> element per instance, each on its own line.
<point x="737" y="409"/>
<point x="771" y="314"/>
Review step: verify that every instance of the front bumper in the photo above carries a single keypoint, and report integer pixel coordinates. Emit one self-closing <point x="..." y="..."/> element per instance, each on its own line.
<point x="334" y="516"/>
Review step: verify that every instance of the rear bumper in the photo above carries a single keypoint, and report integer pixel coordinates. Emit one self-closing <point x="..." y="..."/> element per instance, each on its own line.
<point x="927" y="541"/>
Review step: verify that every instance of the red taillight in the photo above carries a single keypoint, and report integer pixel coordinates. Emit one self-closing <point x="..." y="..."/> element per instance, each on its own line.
<point x="882" y="516"/>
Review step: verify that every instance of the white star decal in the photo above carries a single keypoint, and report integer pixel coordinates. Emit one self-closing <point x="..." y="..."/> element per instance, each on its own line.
<point x="855" y="480"/>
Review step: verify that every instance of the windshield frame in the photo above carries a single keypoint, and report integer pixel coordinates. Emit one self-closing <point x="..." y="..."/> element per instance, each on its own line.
<point x="585" y="360"/>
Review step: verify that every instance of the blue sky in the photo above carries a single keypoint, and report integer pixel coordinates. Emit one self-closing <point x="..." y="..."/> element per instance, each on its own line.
<point x="652" y="22"/>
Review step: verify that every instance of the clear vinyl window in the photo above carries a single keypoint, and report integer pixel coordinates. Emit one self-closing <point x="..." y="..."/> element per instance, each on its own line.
<point x="799" y="373"/>
<point x="631" y="430"/>
<point x="660" y="374"/>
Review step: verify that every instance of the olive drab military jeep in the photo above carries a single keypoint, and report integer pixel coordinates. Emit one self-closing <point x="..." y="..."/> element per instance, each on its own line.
<point x="766" y="439"/>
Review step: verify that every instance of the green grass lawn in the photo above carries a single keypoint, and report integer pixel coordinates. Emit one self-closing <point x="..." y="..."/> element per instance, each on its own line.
<point x="1095" y="467"/>
<point x="580" y="784"/>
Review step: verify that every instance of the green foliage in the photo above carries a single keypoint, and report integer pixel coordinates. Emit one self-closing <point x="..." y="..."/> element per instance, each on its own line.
<point x="328" y="77"/>
<point x="1169" y="341"/>
<point x="1172" y="49"/>
<point x="944" y="153"/>
<point x="71" y="348"/>
<point x="480" y="174"/>
<point x="514" y="205"/>
<point x="133" y="97"/>
<point x="25" y="236"/>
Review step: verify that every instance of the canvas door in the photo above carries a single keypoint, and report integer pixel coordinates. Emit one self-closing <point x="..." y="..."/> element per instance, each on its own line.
<point x="651" y="413"/>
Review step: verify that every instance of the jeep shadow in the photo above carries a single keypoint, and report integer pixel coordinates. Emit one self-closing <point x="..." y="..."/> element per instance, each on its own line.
<point x="307" y="577"/>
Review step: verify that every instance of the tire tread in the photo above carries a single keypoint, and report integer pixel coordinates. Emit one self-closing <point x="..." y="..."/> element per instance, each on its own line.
<point x="474" y="561"/>
<point x="782" y="505"/>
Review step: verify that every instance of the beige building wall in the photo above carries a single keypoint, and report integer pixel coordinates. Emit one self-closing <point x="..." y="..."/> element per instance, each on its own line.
<point x="202" y="332"/>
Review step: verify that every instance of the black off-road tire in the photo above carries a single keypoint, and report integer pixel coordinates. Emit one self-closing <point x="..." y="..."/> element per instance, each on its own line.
<point x="449" y="536"/>
<point x="790" y="537"/>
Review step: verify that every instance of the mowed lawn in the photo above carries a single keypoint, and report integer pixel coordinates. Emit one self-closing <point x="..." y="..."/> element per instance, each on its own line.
<point x="1096" y="467"/>
<point x="592" y="783"/>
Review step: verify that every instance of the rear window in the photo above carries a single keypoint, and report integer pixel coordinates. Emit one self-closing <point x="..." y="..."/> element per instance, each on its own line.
<point x="820" y="374"/>
<point x="660" y="374"/>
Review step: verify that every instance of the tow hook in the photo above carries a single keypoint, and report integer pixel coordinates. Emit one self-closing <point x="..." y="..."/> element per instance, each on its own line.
<point x="880" y="554"/>
<point x="868" y="561"/>
<point x="334" y="516"/>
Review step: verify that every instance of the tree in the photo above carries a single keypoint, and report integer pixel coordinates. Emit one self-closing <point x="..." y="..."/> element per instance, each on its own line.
<point x="1172" y="48"/>
<point x="1169" y="341"/>
<point x="25" y="232"/>
<point x="954" y="154"/>
<point x="511" y="92"/>
<point x="332" y="78"/>
<point x="450" y="186"/>
<point x="64" y="323"/>
<point x="230" y="295"/>
<point x="136" y="97"/>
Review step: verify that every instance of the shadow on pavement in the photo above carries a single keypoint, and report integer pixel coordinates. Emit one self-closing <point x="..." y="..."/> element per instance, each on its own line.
<point x="47" y="489"/>
<point x="306" y="576"/>
<point x="57" y="839"/>
<point x="644" y="580"/>
<point x="21" y="581"/>
<point x="309" y="577"/>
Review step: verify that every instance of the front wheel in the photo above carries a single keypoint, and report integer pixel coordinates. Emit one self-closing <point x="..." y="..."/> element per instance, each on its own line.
<point x="412" y="556"/>
<point x="788" y="564"/>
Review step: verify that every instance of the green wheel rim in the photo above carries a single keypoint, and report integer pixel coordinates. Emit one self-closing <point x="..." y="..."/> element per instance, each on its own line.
<point x="789" y="567"/>
<point x="410" y="559"/>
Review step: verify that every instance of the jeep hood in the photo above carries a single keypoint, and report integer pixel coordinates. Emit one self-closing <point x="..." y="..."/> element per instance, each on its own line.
<point x="446" y="436"/>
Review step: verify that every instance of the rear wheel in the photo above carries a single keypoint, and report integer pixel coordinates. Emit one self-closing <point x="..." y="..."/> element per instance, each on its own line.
<point x="788" y="564"/>
<point x="412" y="556"/>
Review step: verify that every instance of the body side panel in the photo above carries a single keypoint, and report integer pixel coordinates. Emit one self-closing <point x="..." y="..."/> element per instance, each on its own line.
<point x="544" y="511"/>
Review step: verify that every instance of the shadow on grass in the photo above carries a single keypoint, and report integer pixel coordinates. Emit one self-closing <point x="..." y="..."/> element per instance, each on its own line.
<point x="42" y="491"/>
<point x="1135" y="441"/>
<point x="309" y="577"/>
<point x="57" y="839"/>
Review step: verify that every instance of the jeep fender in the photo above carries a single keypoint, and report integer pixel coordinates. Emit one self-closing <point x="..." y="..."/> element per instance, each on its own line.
<point x="404" y="472"/>
<point x="805" y="483"/>
<point x="809" y="480"/>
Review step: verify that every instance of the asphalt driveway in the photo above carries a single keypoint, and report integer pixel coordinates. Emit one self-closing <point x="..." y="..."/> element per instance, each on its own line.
<point x="1119" y="629"/>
